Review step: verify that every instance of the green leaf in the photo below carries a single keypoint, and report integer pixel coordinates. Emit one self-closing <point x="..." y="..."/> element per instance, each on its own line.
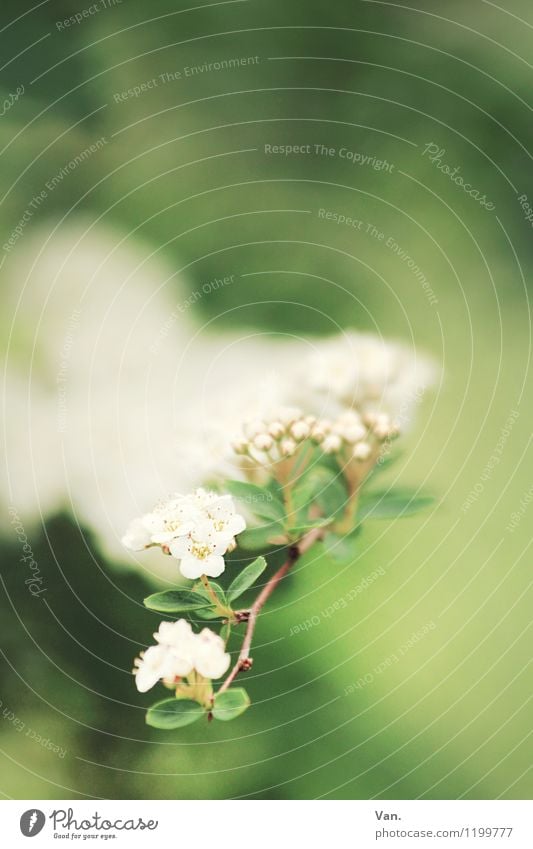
<point x="230" y="704"/>
<point x="393" y="504"/>
<point x="219" y="592"/>
<point x="261" y="501"/>
<point x="246" y="578"/>
<point x="174" y="713"/>
<point x="176" y="601"/>
<point x="264" y="536"/>
<point x="207" y="613"/>
<point x="322" y="486"/>
<point x="210" y="612"/>
<point x="299" y="531"/>
<point x="341" y="547"/>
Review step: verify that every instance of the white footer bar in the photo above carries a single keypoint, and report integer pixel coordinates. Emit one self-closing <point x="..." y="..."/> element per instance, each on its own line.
<point x="272" y="824"/>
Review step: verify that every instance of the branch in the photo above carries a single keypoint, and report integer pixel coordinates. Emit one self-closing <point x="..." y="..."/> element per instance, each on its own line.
<point x="244" y="661"/>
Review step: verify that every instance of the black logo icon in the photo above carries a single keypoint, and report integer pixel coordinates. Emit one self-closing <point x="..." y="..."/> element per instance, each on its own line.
<point x="32" y="822"/>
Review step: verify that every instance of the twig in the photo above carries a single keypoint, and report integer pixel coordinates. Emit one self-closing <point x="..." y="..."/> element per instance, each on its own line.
<point x="244" y="661"/>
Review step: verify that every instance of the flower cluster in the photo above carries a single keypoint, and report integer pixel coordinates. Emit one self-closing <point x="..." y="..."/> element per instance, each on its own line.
<point x="179" y="652"/>
<point x="273" y="440"/>
<point x="302" y="472"/>
<point x="355" y="436"/>
<point x="351" y="435"/>
<point x="196" y="529"/>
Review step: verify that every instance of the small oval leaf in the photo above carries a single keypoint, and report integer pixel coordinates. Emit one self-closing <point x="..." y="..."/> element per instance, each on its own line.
<point x="174" y="713"/>
<point x="261" y="501"/>
<point x="393" y="504"/>
<point x="265" y="536"/>
<point x="176" y="601"/>
<point x="231" y="704"/>
<point x="246" y="578"/>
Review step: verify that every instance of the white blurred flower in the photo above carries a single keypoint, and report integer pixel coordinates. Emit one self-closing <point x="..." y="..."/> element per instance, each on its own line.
<point x="178" y="652"/>
<point x="101" y="359"/>
<point x="137" y="536"/>
<point x="366" y="372"/>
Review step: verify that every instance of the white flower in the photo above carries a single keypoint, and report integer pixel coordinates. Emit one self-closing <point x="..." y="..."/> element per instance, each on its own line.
<point x="178" y="652"/>
<point x="197" y="529"/>
<point x="171" y="519"/>
<point x="226" y="521"/>
<point x="156" y="663"/>
<point x="177" y="635"/>
<point x="210" y="658"/>
<point x="350" y="427"/>
<point x="201" y="552"/>
<point x="136" y="537"/>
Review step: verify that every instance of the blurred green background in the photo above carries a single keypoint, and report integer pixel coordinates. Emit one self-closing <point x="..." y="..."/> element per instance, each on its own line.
<point x="184" y="170"/>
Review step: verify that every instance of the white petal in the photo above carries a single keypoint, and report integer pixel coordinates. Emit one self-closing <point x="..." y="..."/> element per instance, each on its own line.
<point x="180" y="661"/>
<point x="213" y="566"/>
<point x="180" y="547"/>
<point x="174" y="633"/>
<point x="150" y="668"/>
<point x="210" y="659"/>
<point x="192" y="568"/>
<point x="136" y="537"/>
<point x="236" y="525"/>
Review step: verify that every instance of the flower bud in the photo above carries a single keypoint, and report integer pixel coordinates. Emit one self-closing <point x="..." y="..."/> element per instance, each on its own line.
<point x="263" y="442"/>
<point x="332" y="443"/>
<point x="288" y="415"/>
<point x="240" y="446"/>
<point x="276" y="430"/>
<point x="300" y="430"/>
<point x="288" y="447"/>
<point x="354" y="433"/>
<point x="318" y="434"/>
<point x="362" y="451"/>
<point x="254" y="428"/>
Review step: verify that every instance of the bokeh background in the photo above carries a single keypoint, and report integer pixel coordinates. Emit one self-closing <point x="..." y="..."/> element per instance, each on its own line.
<point x="178" y="191"/>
